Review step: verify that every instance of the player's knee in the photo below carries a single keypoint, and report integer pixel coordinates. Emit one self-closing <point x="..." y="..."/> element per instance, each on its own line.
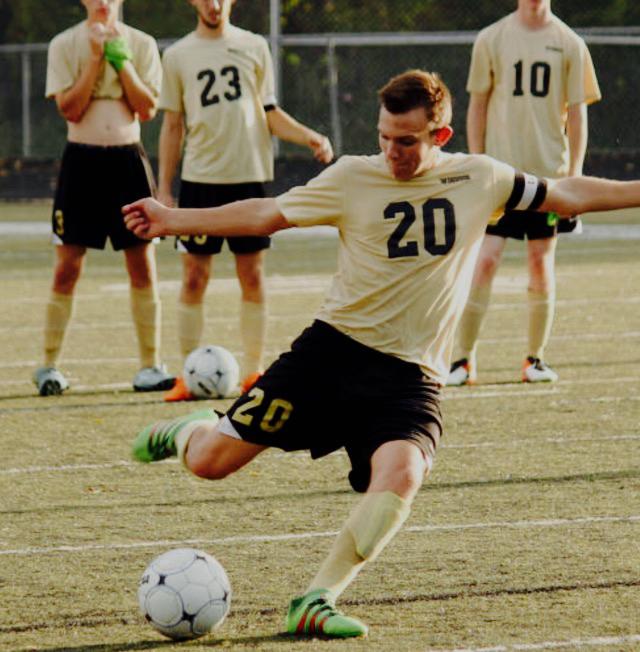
<point x="195" y="281"/>
<point x="66" y="276"/>
<point x="404" y="479"/>
<point x="251" y="281"/>
<point x="487" y="265"/>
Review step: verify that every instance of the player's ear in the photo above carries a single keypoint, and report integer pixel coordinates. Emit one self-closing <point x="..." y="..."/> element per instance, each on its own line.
<point x="442" y="136"/>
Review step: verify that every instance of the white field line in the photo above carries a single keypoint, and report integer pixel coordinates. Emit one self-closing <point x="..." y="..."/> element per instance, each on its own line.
<point x="577" y="643"/>
<point x="458" y="393"/>
<point x="574" y="337"/>
<point x="527" y="441"/>
<point x="268" y="538"/>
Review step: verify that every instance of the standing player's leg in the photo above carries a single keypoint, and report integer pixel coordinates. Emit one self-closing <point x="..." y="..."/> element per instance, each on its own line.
<point x="196" y="271"/>
<point x="68" y="267"/>
<point x="253" y="315"/>
<point x="398" y="469"/>
<point x="464" y="369"/>
<point x="541" y="255"/>
<point x="146" y="312"/>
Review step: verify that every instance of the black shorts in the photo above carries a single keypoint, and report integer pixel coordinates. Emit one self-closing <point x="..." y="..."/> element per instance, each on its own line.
<point x="330" y="391"/>
<point x="93" y="185"/>
<point x="518" y="224"/>
<point x="205" y="195"/>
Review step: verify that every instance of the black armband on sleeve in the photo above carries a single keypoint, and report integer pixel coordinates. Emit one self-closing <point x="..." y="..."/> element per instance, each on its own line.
<point x="269" y="107"/>
<point x="528" y="193"/>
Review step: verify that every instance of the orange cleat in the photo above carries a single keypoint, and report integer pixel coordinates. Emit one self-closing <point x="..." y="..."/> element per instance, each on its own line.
<point x="179" y="392"/>
<point x="250" y="381"/>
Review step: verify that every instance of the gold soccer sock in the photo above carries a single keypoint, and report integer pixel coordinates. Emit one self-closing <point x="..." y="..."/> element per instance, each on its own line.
<point x="145" y="308"/>
<point x="190" y="326"/>
<point x="541" y="311"/>
<point x="58" y="312"/>
<point x="472" y="318"/>
<point x="371" y="525"/>
<point x="253" y="329"/>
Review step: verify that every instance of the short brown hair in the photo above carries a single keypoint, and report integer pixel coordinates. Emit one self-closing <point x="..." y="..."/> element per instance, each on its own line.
<point x="417" y="88"/>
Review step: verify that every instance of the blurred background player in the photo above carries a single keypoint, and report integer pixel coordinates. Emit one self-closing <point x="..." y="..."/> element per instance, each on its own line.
<point x="218" y="96"/>
<point x="530" y="80"/>
<point x="105" y="77"/>
<point x="411" y="220"/>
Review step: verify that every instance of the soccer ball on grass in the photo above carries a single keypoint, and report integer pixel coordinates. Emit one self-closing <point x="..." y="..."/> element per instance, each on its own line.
<point x="211" y="372"/>
<point x="184" y="593"/>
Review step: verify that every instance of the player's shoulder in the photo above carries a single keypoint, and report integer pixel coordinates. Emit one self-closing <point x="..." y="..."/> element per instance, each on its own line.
<point x="67" y="36"/>
<point x="494" y="30"/>
<point x="362" y="164"/>
<point x="456" y="164"/>
<point x="566" y="32"/>
<point x="137" y="35"/>
<point x="244" y="38"/>
<point x="180" y="45"/>
<point x="240" y="34"/>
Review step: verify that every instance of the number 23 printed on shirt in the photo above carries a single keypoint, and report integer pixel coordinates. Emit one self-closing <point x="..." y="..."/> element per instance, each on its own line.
<point x="233" y="89"/>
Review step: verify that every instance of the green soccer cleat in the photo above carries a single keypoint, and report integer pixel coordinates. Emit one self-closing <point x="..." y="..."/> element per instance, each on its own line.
<point x="314" y="614"/>
<point x="157" y="441"/>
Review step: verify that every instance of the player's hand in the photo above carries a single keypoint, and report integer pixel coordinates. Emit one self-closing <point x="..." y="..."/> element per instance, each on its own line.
<point x="147" y="218"/>
<point x="98" y="35"/>
<point x="321" y="148"/>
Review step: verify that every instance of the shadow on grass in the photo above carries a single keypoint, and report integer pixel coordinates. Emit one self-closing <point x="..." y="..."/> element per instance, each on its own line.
<point x="305" y="495"/>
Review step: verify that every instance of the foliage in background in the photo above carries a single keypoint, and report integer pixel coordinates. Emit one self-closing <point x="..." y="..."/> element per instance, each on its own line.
<point x="305" y="86"/>
<point x="34" y="21"/>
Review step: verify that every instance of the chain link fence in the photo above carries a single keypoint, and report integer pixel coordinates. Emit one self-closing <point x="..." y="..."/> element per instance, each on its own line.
<point x="328" y="76"/>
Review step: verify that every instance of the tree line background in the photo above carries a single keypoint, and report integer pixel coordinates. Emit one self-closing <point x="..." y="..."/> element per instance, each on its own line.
<point x="33" y="21"/>
<point x="306" y="81"/>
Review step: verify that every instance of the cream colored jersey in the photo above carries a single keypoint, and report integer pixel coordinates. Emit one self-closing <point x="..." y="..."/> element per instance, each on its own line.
<point x="533" y="77"/>
<point x="222" y="86"/>
<point x="69" y="50"/>
<point x="407" y="248"/>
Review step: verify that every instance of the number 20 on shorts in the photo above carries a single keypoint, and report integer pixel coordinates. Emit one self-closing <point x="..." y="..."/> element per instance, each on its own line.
<point x="275" y="416"/>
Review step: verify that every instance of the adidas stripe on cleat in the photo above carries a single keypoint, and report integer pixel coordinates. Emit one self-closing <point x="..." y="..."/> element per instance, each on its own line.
<point x="314" y="614"/>
<point x="157" y="441"/>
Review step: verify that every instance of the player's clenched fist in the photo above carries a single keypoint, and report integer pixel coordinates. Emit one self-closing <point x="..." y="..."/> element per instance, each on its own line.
<point x="146" y="218"/>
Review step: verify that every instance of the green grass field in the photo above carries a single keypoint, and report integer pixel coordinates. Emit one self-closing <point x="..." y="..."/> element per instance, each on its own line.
<point x="525" y="537"/>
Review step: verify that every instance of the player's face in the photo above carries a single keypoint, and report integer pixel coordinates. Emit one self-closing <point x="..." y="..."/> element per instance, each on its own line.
<point x="213" y="13"/>
<point x="534" y="6"/>
<point x="102" y="11"/>
<point x="406" y="142"/>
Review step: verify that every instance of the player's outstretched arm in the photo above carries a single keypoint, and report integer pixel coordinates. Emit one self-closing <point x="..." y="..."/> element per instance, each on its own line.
<point x="575" y="195"/>
<point x="285" y="127"/>
<point x="148" y="219"/>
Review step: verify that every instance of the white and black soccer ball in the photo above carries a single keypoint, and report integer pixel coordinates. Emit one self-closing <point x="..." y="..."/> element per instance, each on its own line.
<point x="184" y="593"/>
<point x="211" y="372"/>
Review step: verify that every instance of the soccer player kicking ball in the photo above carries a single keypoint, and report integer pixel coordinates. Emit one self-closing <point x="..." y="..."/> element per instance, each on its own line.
<point x="411" y="220"/>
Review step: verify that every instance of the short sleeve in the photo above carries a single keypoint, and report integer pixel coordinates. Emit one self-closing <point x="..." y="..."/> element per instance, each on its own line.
<point x="266" y="78"/>
<point x="320" y="201"/>
<point x="149" y="66"/>
<point x="171" y="94"/>
<point x="503" y="180"/>
<point x="480" y="79"/>
<point x="582" y="81"/>
<point x="60" y="75"/>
